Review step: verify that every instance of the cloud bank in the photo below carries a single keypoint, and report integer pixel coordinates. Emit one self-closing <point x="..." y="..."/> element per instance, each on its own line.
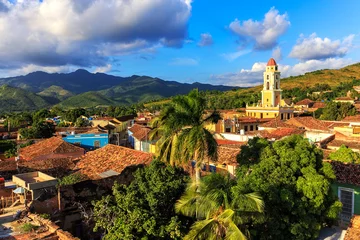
<point x="53" y="33"/>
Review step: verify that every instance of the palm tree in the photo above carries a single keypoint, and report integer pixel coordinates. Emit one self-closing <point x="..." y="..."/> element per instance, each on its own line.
<point x="220" y="208"/>
<point x="182" y="132"/>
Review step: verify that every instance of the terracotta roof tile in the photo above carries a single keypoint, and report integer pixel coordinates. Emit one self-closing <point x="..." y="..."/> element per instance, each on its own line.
<point x="111" y="157"/>
<point x="318" y="105"/>
<point x="280" y="133"/>
<point x="271" y="62"/>
<point x="228" y="142"/>
<point x="349" y="144"/>
<point x="135" y="128"/>
<point x="277" y="123"/>
<point x="333" y="124"/>
<point x="227" y="154"/>
<point x="308" y="123"/>
<point x="54" y="145"/>
<point x="353" y="231"/>
<point x="346" y="172"/>
<point x="345" y="98"/>
<point x="142" y="134"/>
<point x="305" y="101"/>
<point x="355" y="118"/>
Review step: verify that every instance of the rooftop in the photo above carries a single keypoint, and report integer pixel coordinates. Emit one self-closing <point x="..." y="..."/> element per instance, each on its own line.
<point x="142" y="134"/>
<point x="135" y="128"/>
<point x="34" y="180"/>
<point x="344" y="99"/>
<point x="279" y="133"/>
<point x="271" y="62"/>
<point x="355" y="118"/>
<point x="277" y="123"/>
<point x="346" y="172"/>
<point x="349" y="144"/>
<point x="54" y="145"/>
<point x="318" y="105"/>
<point x="110" y="157"/>
<point x="305" y="101"/>
<point x="353" y="231"/>
<point x="309" y="123"/>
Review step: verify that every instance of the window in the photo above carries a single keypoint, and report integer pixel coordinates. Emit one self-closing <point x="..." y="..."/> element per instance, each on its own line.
<point x="96" y="144"/>
<point x="228" y="130"/>
<point x="245" y="128"/>
<point x="276" y="84"/>
<point x="277" y="76"/>
<point x="346" y="197"/>
<point x="251" y="128"/>
<point x="261" y="115"/>
<point x="267" y="86"/>
<point x="276" y="68"/>
<point x="282" y="116"/>
<point x="267" y="77"/>
<point x="288" y="116"/>
<point x="257" y="127"/>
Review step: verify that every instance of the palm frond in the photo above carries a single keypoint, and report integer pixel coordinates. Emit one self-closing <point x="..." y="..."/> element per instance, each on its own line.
<point x="202" y="230"/>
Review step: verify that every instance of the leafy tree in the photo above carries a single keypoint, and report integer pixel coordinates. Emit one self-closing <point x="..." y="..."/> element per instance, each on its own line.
<point x="345" y="154"/>
<point x="41" y="115"/>
<point x="337" y="111"/>
<point x="295" y="185"/>
<point x="145" y="208"/>
<point x="183" y="136"/>
<point x="38" y="130"/>
<point x="72" y="114"/>
<point x="81" y="122"/>
<point x="223" y="212"/>
<point x="71" y="179"/>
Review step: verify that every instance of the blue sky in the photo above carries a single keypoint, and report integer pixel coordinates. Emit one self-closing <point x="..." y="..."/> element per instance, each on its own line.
<point x="202" y="40"/>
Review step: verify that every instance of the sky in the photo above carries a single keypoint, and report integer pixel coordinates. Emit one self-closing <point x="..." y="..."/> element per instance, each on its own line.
<point x="209" y="41"/>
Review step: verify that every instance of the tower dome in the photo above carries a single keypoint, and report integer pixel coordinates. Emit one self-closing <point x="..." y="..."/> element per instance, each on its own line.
<point x="271" y="62"/>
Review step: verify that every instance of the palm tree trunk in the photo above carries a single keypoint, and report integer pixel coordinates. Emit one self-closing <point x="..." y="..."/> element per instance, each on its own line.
<point x="197" y="175"/>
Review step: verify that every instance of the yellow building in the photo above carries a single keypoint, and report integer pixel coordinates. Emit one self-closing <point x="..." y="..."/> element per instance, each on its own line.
<point x="272" y="105"/>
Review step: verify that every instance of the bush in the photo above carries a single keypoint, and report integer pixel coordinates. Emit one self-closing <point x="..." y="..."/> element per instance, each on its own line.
<point x="71" y="179"/>
<point x="28" y="227"/>
<point x="45" y="215"/>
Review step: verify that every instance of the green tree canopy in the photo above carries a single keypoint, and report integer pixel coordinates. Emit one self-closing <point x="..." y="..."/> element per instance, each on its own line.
<point x="337" y="111"/>
<point x="345" y="154"/>
<point x="81" y="122"/>
<point x="295" y="185"/>
<point x="222" y="211"/>
<point x="182" y="132"/>
<point x="38" y="130"/>
<point x="144" y="209"/>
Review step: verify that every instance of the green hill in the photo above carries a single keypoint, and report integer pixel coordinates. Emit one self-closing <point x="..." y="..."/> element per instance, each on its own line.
<point x="16" y="99"/>
<point x="85" y="100"/>
<point x="55" y="94"/>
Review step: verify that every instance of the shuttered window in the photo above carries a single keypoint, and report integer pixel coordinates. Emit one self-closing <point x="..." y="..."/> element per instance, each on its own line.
<point x="346" y="197"/>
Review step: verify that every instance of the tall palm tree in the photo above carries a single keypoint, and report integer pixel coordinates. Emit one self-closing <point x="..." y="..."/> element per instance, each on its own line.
<point x="221" y="209"/>
<point x="182" y="132"/>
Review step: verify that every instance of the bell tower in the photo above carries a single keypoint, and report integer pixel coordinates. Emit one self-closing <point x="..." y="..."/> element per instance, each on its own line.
<point x="271" y="93"/>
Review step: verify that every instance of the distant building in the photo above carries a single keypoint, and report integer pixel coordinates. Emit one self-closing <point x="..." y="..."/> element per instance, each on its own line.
<point x="345" y="100"/>
<point x="272" y="105"/>
<point x="89" y="141"/>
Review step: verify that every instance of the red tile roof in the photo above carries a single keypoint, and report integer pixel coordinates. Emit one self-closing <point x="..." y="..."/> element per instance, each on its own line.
<point x="142" y="134"/>
<point x="333" y="124"/>
<point x="228" y="142"/>
<point x="318" y="105"/>
<point x="349" y="144"/>
<point x="271" y="62"/>
<point x="276" y="123"/>
<point x="355" y="118"/>
<point x="346" y="172"/>
<point x="135" y="128"/>
<point x="111" y="157"/>
<point x="280" y="133"/>
<point x="305" y="101"/>
<point x="227" y="154"/>
<point x="54" y="145"/>
<point x="353" y="231"/>
<point x="309" y="123"/>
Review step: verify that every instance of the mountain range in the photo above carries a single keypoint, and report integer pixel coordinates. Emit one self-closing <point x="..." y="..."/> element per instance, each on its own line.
<point x="84" y="89"/>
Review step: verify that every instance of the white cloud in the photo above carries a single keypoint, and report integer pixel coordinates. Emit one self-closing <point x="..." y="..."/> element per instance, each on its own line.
<point x="184" y="62"/>
<point x="314" y="47"/>
<point x="206" y="40"/>
<point x="276" y="53"/>
<point x="33" y="68"/>
<point x="85" y="33"/>
<point x="234" y="55"/>
<point x="254" y="76"/>
<point x="103" y="69"/>
<point x="264" y="33"/>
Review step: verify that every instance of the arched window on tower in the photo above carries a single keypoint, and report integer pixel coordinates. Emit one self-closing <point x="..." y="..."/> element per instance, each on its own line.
<point x="277" y="76"/>
<point x="276" y="85"/>
<point x="267" y="86"/>
<point x="267" y="77"/>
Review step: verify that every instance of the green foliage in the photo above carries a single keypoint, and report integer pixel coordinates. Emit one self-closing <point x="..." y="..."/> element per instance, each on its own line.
<point x="41" y="115"/>
<point x="345" y="154"/>
<point x="71" y="179"/>
<point x="19" y="119"/>
<point x="45" y="215"/>
<point x="81" y="122"/>
<point x="10" y="153"/>
<point x="337" y="111"/>
<point x="38" y="130"/>
<point x="182" y="132"/>
<point x="295" y="185"/>
<point x="221" y="210"/>
<point x="6" y="145"/>
<point x="73" y="114"/>
<point x="145" y="208"/>
<point x="28" y="227"/>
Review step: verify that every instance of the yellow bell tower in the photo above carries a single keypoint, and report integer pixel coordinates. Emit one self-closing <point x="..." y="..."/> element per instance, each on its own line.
<point x="271" y="105"/>
<point x="271" y="93"/>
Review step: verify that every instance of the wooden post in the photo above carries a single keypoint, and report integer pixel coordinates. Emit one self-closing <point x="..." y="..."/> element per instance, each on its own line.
<point x="59" y="198"/>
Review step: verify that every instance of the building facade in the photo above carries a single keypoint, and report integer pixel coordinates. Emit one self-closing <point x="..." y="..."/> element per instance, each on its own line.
<point x="88" y="141"/>
<point x="272" y="105"/>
